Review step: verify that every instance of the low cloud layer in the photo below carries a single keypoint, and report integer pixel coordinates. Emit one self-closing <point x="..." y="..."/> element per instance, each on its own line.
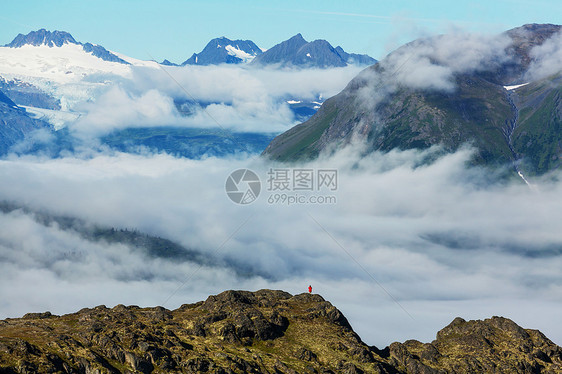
<point x="546" y="59"/>
<point x="431" y="63"/>
<point x="440" y="239"/>
<point x="117" y="109"/>
<point x="239" y="98"/>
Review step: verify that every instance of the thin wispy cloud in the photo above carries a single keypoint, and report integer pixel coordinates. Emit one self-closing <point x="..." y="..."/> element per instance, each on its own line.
<point x="375" y="17"/>
<point x="237" y="98"/>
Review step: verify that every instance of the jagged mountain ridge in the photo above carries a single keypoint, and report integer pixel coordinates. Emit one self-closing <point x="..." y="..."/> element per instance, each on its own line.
<point x="480" y="111"/>
<point x="58" y="39"/>
<point x="42" y="37"/>
<point x="297" y="52"/>
<point x="257" y="332"/>
<point x="225" y="51"/>
<point x="355" y="58"/>
<point x="318" y="53"/>
<point x="294" y="52"/>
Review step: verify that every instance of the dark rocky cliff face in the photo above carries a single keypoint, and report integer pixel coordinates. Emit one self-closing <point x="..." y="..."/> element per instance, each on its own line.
<point x="257" y="332"/>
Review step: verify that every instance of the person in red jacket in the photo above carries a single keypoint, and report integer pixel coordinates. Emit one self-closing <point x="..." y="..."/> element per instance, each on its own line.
<point x="309" y="289"/>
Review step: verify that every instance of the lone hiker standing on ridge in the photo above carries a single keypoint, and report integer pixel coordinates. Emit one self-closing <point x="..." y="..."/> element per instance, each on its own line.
<point x="309" y="289"/>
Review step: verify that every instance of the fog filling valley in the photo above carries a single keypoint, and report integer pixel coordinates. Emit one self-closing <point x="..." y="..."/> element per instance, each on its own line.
<point x="439" y="241"/>
<point x="407" y="247"/>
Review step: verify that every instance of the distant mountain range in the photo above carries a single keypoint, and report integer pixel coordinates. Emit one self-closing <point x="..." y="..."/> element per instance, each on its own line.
<point x="295" y="52"/>
<point x="45" y="74"/>
<point x="60" y="38"/>
<point x="49" y="59"/>
<point x="508" y="124"/>
<point x="225" y="51"/>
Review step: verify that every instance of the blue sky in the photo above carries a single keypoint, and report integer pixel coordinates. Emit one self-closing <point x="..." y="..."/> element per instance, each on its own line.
<point x="175" y="29"/>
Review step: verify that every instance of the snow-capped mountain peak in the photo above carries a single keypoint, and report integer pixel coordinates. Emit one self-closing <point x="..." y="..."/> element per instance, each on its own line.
<point x="67" y="63"/>
<point x="43" y="37"/>
<point x="223" y="50"/>
<point x="59" y="39"/>
<point x="53" y="71"/>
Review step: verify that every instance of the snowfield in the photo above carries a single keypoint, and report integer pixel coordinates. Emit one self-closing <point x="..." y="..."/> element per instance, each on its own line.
<point x="69" y="63"/>
<point x="67" y="73"/>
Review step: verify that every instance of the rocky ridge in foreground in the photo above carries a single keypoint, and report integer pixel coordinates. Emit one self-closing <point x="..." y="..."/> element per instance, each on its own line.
<point x="257" y="332"/>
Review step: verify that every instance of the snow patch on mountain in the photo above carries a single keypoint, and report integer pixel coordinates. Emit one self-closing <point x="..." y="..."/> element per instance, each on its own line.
<point x="509" y="88"/>
<point x="236" y="52"/>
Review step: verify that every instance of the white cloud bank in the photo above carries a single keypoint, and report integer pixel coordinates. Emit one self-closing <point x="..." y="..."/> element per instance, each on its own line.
<point x="431" y="63"/>
<point x="440" y="239"/>
<point x="546" y="59"/>
<point x="241" y="99"/>
<point x="437" y="237"/>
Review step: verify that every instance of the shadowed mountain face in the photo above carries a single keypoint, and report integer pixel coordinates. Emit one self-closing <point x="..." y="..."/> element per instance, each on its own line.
<point x="15" y="124"/>
<point x="297" y="52"/>
<point x="537" y="137"/>
<point x="225" y="51"/>
<point x="42" y="37"/>
<point x="294" y="52"/>
<point x="421" y="96"/>
<point x="257" y="332"/>
<point x="24" y="93"/>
